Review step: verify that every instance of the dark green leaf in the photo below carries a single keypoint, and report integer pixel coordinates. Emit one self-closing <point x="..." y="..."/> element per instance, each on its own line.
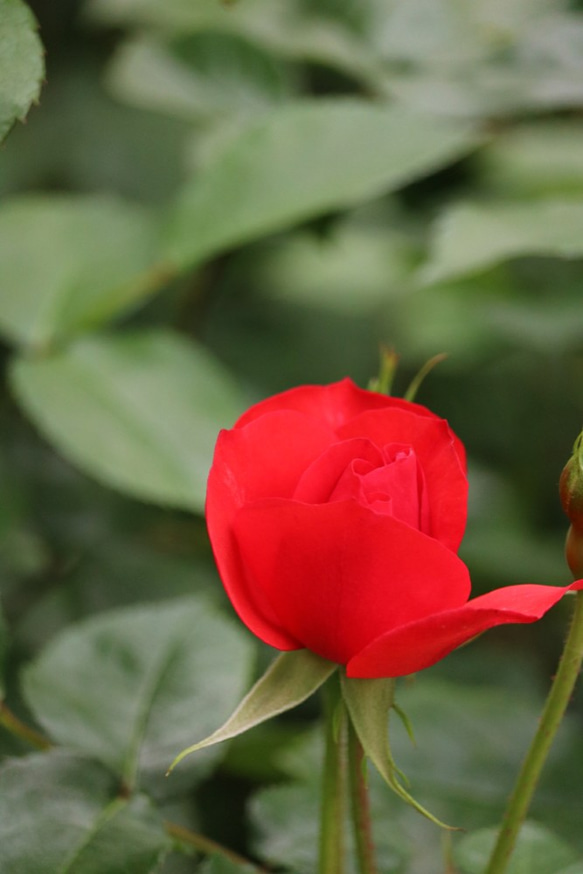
<point x="59" y="814"/>
<point x="21" y="62"/>
<point x="280" y="171"/>
<point x="140" y="412"/>
<point x="68" y="263"/>
<point x="131" y="687"/>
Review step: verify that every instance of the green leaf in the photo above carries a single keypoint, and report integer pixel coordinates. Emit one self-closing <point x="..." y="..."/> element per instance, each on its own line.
<point x="21" y="62"/>
<point x="288" y="681"/>
<point x="140" y="412"/>
<point x="72" y="262"/>
<point x="314" y="272"/>
<point x="279" y="171"/>
<point x="537" y="851"/>
<point x="130" y="687"/>
<point x="473" y="237"/>
<point x="369" y="703"/>
<point x="543" y="158"/>
<point x="293" y="29"/>
<point x="59" y="814"/>
<point x="201" y="77"/>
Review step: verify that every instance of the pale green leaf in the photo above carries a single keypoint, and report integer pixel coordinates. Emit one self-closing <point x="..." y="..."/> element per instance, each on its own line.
<point x="483" y="59"/>
<point x="325" y="273"/>
<point x="59" y="814"/>
<point x="302" y="160"/>
<point x="72" y="262"/>
<point x="203" y="78"/>
<point x="288" y="681"/>
<point x="537" y="851"/>
<point x="140" y="412"/>
<point x="130" y="687"/>
<point x="292" y="29"/>
<point x="21" y="62"/>
<point x="473" y="237"/>
<point x="535" y="159"/>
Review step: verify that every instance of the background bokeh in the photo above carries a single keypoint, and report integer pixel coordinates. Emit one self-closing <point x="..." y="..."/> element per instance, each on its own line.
<point x="213" y="202"/>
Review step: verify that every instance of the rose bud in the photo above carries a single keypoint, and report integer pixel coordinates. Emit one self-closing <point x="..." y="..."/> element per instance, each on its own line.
<point x="335" y="515"/>
<point x="571" y="493"/>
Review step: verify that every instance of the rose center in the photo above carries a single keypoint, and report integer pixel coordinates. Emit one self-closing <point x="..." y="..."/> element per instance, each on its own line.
<point x="394" y="488"/>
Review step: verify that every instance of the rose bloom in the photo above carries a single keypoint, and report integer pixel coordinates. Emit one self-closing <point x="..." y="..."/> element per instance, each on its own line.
<point x="335" y="515"/>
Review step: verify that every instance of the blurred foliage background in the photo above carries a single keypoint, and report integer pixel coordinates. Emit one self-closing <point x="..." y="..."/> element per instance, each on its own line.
<point x="213" y="202"/>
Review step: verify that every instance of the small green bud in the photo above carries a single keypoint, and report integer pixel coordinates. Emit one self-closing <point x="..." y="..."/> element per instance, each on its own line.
<point x="571" y="492"/>
<point x="571" y="485"/>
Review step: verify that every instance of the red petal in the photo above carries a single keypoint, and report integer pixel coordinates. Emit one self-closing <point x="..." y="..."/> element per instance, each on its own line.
<point x="333" y="404"/>
<point x="265" y="458"/>
<point x="339" y="575"/>
<point x="433" y="442"/>
<point x="420" y="644"/>
<point x="318" y="481"/>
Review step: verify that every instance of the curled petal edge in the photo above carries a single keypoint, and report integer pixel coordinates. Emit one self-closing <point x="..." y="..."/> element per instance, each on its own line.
<point x="420" y="644"/>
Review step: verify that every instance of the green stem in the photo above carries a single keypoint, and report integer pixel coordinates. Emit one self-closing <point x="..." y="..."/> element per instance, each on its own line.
<point x="332" y="850"/>
<point x="359" y="795"/>
<point x="20" y="730"/>
<point x="554" y="710"/>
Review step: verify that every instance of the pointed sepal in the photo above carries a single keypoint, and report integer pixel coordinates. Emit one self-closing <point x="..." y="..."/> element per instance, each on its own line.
<point x="288" y="681"/>
<point x="369" y="703"/>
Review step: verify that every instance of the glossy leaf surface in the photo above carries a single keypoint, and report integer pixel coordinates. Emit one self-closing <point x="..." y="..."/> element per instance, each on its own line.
<point x="130" y="687"/>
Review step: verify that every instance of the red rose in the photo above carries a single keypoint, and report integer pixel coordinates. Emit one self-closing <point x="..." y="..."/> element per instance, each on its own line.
<point x="335" y="515"/>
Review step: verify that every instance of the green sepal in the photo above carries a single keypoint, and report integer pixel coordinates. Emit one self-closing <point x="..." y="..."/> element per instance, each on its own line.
<point x="369" y="703"/>
<point x="288" y="681"/>
<point x="415" y="383"/>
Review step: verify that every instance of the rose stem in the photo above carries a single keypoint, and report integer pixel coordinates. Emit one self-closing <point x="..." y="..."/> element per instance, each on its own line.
<point x="553" y="712"/>
<point x="360" y="803"/>
<point x="332" y="808"/>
